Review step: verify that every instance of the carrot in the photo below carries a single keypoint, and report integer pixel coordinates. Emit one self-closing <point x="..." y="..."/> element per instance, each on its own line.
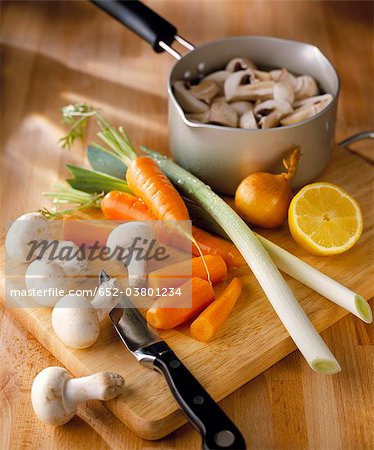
<point x="214" y="245"/>
<point x="117" y="205"/>
<point x="176" y="274"/>
<point x="148" y="182"/>
<point x="86" y="232"/>
<point x="124" y="206"/>
<point x="165" y="314"/>
<point x="210" y="320"/>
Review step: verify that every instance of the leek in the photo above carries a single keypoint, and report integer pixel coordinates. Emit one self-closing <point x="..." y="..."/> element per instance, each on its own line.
<point x="318" y="281"/>
<point x="279" y="294"/>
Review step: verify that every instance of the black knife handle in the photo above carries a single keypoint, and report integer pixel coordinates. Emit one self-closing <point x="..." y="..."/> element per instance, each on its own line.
<point x="217" y="430"/>
<point x="141" y="20"/>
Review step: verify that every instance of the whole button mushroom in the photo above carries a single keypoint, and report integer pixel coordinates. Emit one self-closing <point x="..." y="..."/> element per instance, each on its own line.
<point x="123" y="244"/>
<point x="55" y="395"/>
<point x="47" y="280"/>
<point x="69" y="256"/>
<point x="76" y="320"/>
<point x="23" y="231"/>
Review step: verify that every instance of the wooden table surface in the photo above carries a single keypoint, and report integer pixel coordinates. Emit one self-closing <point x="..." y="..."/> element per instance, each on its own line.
<point x="60" y="52"/>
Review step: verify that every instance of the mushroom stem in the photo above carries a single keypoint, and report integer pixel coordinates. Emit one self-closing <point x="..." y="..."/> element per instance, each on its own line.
<point x="99" y="386"/>
<point x="105" y="298"/>
<point x="55" y="395"/>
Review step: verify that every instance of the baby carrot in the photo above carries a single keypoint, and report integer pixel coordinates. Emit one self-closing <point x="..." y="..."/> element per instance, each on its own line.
<point x="165" y="313"/>
<point x="176" y="274"/>
<point x="210" y="320"/>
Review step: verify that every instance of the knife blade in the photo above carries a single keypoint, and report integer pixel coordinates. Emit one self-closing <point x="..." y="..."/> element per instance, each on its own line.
<point x="216" y="428"/>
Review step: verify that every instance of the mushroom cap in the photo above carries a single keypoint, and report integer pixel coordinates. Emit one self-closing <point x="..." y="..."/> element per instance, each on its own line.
<point x="124" y="236"/>
<point x="47" y="396"/>
<point x="75" y="321"/>
<point x="70" y="259"/>
<point x="46" y="275"/>
<point x="28" y="227"/>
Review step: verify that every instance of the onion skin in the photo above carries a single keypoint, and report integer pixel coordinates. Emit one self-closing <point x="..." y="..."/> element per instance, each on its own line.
<point x="263" y="199"/>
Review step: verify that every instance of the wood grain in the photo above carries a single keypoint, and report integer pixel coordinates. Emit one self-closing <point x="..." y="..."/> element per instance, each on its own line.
<point x="252" y="340"/>
<point x="50" y="60"/>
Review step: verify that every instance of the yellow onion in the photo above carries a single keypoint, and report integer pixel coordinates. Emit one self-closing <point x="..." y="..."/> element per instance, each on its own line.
<point x="263" y="198"/>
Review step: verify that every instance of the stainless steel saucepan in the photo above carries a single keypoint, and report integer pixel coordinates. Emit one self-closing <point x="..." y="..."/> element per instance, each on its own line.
<point x="223" y="156"/>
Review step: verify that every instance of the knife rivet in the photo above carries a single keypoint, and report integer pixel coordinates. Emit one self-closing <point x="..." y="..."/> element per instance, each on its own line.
<point x="174" y="364"/>
<point x="224" y="438"/>
<point x="198" y="400"/>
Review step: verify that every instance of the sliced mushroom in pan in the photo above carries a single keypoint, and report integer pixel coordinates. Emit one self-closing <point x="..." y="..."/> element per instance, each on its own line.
<point x="304" y="113"/>
<point x="243" y="85"/>
<point x="219" y="78"/>
<point x="220" y="113"/>
<point x="283" y="91"/>
<point x="305" y="87"/>
<point x="206" y="90"/>
<point x="242" y="107"/>
<point x="237" y="64"/>
<point x="241" y="95"/>
<point x="248" y="121"/>
<point x="270" y="113"/>
<point x="306" y="102"/>
<point x="188" y="102"/>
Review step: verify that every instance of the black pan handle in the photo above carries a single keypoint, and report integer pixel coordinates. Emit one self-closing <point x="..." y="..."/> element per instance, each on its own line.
<point x="141" y="20"/>
<point x="217" y="430"/>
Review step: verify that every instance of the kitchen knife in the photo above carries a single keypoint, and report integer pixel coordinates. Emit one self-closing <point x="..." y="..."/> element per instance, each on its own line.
<point x="216" y="429"/>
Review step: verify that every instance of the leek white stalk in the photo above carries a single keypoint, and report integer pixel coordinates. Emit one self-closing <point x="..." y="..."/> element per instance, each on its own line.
<point x="318" y="281"/>
<point x="279" y="294"/>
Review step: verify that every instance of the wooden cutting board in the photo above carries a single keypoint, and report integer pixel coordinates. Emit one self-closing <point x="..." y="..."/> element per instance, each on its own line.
<point x="251" y="340"/>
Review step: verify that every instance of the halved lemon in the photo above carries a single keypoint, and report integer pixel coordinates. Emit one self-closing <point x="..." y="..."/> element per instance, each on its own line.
<point x="325" y="219"/>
